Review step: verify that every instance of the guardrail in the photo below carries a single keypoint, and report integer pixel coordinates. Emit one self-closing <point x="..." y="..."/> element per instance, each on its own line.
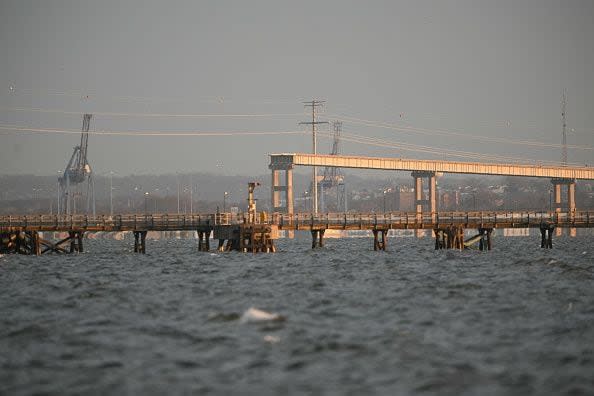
<point x="429" y="220"/>
<point x="171" y="222"/>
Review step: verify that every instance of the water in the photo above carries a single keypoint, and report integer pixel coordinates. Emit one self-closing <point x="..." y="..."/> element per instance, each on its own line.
<point x="516" y="320"/>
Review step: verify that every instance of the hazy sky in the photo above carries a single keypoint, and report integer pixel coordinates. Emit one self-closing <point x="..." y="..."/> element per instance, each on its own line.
<point x="429" y="79"/>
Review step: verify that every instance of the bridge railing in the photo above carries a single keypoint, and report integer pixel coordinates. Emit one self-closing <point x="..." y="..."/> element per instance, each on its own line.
<point x="174" y="221"/>
<point x="392" y="219"/>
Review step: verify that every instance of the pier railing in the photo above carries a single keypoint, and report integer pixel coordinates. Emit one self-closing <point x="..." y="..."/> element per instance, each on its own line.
<point x="297" y="221"/>
<point x="412" y="220"/>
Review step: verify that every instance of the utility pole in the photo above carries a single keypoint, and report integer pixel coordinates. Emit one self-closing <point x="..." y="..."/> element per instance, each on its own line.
<point x="564" y="123"/>
<point x="314" y="104"/>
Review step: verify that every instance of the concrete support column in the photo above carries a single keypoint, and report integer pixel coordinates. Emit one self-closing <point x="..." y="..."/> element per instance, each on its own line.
<point x="571" y="206"/>
<point x="274" y="199"/>
<point x="433" y="197"/>
<point x="571" y="197"/>
<point x="567" y="204"/>
<point x="419" y="203"/>
<point x="557" y="197"/>
<point x="418" y="194"/>
<point x="289" y="191"/>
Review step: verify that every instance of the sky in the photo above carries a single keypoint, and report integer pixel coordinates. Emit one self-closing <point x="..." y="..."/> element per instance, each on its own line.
<point x="221" y="84"/>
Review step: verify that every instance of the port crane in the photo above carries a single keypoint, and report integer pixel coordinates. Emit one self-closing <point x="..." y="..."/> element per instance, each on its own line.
<point x="76" y="173"/>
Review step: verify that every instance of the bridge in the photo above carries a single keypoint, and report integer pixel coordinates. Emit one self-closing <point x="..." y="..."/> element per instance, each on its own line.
<point x="561" y="176"/>
<point x="249" y="232"/>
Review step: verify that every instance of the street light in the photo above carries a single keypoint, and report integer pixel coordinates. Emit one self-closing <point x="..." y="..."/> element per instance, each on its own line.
<point x="305" y="193"/>
<point x="385" y="192"/>
<point x="146" y="195"/>
<point x="111" y="193"/>
<point x="191" y="196"/>
<point x="36" y="196"/>
<point x="177" y="180"/>
<point x="156" y="196"/>
<point x="59" y="191"/>
<point x="225" y="202"/>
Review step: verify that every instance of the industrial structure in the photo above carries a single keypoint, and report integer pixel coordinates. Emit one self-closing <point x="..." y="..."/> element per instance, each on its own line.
<point x="77" y="172"/>
<point x="333" y="179"/>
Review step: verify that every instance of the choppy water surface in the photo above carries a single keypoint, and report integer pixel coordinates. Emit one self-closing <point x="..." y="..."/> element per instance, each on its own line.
<point x="516" y="320"/>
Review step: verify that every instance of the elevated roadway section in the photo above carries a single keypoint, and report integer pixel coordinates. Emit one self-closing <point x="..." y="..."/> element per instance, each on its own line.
<point x="561" y="176"/>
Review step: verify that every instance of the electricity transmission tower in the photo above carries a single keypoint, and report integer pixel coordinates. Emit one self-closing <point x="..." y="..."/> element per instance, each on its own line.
<point x="314" y="104"/>
<point x="333" y="177"/>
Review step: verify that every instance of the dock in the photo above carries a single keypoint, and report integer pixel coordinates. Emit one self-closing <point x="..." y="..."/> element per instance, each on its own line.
<point x="249" y="232"/>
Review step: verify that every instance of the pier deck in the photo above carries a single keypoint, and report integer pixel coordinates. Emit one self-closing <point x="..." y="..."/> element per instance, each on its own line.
<point x="20" y="234"/>
<point x="297" y="221"/>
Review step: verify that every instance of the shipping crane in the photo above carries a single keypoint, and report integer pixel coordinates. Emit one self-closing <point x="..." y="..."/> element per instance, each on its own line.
<point x="76" y="173"/>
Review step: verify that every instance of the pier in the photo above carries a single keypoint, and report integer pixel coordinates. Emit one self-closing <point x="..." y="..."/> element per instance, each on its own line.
<point x="248" y="233"/>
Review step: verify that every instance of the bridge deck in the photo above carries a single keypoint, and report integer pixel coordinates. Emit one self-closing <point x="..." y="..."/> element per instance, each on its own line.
<point x="345" y="161"/>
<point x="298" y="221"/>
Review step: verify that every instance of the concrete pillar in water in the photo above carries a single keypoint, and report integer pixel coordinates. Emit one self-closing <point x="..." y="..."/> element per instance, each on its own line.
<point x="274" y="199"/>
<point x="557" y="197"/>
<point x="289" y="192"/>
<point x="418" y="187"/>
<point x="571" y="196"/>
<point x="433" y="197"/>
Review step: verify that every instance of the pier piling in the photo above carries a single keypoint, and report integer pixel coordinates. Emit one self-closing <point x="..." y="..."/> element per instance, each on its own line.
<point x="317" y="238"/>
<point x="379" y="239"/>
<point x="546" y="236"/>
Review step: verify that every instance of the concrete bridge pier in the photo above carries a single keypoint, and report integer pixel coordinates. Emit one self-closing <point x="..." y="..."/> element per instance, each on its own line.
<point x="422" y="203"/>
<point x="564" y="188"/>
<point x="568" y="204"/>
<point x="281" y="199"/>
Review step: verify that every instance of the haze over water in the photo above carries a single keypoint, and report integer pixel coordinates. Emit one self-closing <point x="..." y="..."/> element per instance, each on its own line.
<point x="412" y="320"/>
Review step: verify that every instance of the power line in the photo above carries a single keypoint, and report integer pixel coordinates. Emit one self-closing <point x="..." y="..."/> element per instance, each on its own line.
<point x="90" y="95"/>
<point x="16" y="128"/>
<point x="155" y="115"/>
<point x="442" y="132"/>
<point x="401" y="146"/>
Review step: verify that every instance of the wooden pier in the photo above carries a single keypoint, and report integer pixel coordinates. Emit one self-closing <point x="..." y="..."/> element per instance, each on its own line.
<point x="256" y="232"/>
